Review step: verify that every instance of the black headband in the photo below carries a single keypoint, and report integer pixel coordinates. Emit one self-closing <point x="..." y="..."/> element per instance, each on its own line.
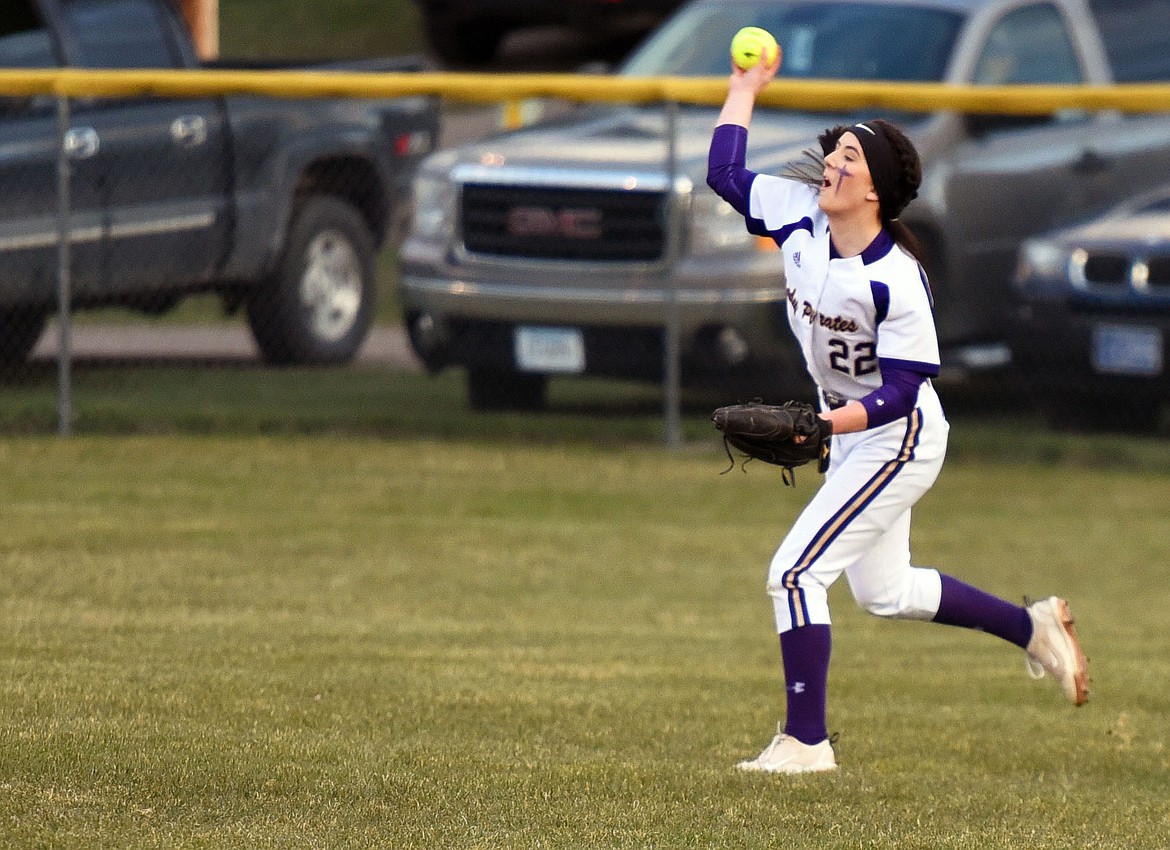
<point x="883" y="165"/>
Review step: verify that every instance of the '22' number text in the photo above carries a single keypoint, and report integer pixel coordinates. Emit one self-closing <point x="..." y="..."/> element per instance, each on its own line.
<point x="862" y="360"/>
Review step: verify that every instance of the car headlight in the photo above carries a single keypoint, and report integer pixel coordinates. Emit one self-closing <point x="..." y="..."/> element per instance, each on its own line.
<point x="1041" y="259"/>
<point x="434" y="206"/>
<point x="715" y="226"/>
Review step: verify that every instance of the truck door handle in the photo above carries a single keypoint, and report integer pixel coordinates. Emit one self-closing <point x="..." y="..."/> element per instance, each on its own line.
<point x="1091" y="162"/>
<point x="81" y="142"/>
<point x="189" y="131"/>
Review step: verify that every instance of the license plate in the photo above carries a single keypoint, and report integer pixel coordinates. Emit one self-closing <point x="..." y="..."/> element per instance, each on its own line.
<point x="1127" y="350"/>
<point x="550" y="350"/>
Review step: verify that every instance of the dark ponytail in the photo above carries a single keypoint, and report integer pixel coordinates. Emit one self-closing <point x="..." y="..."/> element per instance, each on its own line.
<point x="907" y="179"/>
<point x="905" y="237"/>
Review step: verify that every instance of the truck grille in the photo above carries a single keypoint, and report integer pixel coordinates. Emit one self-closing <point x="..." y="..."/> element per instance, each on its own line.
<point x="564" y="224"/>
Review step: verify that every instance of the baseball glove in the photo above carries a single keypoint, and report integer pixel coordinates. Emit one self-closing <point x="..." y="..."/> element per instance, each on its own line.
<point x="772" y="433"/>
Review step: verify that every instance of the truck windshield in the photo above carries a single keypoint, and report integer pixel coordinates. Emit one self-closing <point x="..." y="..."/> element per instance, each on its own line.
<point x="822" y="40"/>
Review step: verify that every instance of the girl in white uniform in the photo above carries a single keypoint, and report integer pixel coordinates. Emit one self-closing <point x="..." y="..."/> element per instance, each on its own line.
<point x="860" y="307"/>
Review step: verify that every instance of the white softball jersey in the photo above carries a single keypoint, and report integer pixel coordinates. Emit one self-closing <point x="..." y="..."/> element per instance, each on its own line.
<point x="850" y="316"/>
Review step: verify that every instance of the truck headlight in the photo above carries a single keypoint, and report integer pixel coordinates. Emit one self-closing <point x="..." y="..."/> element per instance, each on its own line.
<point x="434" y="206"/>
<point x="715" y="226"/>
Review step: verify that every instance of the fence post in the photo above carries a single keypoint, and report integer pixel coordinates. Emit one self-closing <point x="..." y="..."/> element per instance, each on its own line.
<point x="64" y="276"/>
<point x="672" y="355"/>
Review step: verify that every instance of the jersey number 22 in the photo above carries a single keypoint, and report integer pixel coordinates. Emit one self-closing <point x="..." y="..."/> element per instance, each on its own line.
<point x="862" y="360"/>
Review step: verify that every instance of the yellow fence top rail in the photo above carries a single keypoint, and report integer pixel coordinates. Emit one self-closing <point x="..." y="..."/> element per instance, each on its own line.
<point x="493" y="88"/>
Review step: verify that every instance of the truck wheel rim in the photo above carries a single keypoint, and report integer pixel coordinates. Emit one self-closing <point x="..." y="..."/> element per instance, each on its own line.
<point x="331" y="286"/>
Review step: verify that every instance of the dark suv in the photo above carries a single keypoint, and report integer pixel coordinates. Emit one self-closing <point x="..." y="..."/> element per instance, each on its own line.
<point x="1093" y="314"/>
<point x="468" y="32"/>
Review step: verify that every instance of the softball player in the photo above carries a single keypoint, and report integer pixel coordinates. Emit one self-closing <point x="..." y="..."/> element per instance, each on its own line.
<point x="859" y="305"/>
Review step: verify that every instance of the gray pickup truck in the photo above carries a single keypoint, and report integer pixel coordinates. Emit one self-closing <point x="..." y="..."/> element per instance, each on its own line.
<point x="563" y="248"/>
<point x="278" y="205"/>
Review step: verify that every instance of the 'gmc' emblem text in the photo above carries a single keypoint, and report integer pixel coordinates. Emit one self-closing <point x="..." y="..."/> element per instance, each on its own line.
<point x="568" y="222"/>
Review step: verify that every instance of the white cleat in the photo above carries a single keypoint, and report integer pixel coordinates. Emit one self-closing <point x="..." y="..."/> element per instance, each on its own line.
<point x="788" y="755"/>
<point x="1055" y="649"/>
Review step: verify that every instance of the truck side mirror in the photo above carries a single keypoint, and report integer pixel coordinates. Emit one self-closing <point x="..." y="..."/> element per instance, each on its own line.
<point x="595" y="69"/>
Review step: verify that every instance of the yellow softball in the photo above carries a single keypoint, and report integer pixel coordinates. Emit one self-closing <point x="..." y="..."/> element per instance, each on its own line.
<point x="750" y="44"/>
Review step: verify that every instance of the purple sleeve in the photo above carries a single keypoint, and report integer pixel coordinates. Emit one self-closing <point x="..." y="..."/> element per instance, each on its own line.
<point x="896" y="396"/>
<point x="726" y="173"/>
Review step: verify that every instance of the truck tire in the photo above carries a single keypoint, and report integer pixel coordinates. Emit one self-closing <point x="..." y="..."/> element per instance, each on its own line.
<point x="20" y="328"/>
<point x="505" y="389"/>
<point x="317" y="308"/>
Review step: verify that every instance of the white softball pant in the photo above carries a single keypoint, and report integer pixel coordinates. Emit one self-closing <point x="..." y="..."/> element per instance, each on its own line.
<point x="859" y="523"/>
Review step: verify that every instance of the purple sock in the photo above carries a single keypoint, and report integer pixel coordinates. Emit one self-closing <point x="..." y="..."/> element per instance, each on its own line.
<point x="806" y="675"/>
<point x="971" y="608"/>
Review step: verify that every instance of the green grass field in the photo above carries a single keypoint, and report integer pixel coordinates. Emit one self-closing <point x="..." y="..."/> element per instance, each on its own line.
<point x="250" y="608"/>
<point x="420" y="629"/>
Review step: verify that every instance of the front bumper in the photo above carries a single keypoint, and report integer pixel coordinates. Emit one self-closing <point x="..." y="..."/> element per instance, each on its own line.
<point x="1062" y="348"/>
<point x="725" y="334"/>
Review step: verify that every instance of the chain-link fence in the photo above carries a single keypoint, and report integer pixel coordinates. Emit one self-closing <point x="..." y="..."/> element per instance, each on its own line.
<point x="194" y="238"/>
<point x="192" y="217"/>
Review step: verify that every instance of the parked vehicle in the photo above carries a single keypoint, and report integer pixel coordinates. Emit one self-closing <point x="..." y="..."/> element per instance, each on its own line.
<point x="277" y="205"/>
<point x="469" y="32"/>
<point x="562" y="248"/>
<point x="1093" y="315"/>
